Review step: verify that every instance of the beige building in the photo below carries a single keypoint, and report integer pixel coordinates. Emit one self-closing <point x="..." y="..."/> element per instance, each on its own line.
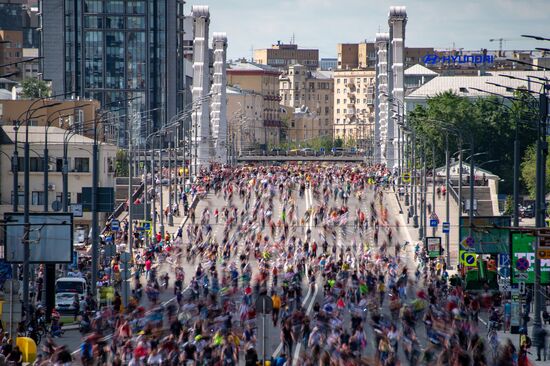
<point x="264" y="80"/>
<point x="312" y="90"/>
<point x="244" y="119"/>
<point x="301" y="125"/>
<point x="282" y="55"/>
<point x="354" y="106"/>
<point x="79" y="155"/>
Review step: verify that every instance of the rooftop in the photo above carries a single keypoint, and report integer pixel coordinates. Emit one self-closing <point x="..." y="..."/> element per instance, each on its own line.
<point x="419" y="70"/>
<point x="36" y="136"/>
<point x="462" y="85"/>
<point x="251" y="66"/>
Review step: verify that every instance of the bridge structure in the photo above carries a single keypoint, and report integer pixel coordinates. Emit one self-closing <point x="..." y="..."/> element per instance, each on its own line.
<point x="283" y="158"/>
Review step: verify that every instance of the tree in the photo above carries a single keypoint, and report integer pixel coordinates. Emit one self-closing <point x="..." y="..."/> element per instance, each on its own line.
<point x="491" y="124"/>
<point x="33" y="88"/>
<point x="122" y="163"/>
<point x="529" y="171"/>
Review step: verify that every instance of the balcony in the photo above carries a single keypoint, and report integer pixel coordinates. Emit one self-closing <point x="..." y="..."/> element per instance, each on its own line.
<point x="276" y="98"/>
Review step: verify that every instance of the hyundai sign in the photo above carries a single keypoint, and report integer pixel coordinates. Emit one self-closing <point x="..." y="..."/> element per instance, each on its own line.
<point x="432" y="59"/>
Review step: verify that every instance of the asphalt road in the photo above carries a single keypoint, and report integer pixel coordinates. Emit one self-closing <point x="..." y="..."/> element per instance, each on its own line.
<point x="345" y="238"/>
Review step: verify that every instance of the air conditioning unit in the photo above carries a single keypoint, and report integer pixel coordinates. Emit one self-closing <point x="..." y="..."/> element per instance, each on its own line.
<point x="51" y="187"/>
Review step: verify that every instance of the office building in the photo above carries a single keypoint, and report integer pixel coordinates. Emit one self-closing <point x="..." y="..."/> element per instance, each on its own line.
<point x="128" y="55"/>
<point x="328" y="64"/>
<point x="308" y="90"/>
<point x="282" y="55"/>
<point x="19" y="39"/>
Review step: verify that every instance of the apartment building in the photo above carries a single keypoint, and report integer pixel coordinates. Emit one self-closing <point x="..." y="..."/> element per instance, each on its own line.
<point x="79" y="161"/>
<point x="308" y="90"/>
<point x="301" y="124"/>
<point x="264" y="80"/>
<point x="282" y="55"/>
<point x="245" y="122"/>
<point x="354" y="106"/>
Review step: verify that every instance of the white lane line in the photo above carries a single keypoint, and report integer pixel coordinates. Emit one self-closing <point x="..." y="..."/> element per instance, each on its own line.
<point x="299" y="344"/>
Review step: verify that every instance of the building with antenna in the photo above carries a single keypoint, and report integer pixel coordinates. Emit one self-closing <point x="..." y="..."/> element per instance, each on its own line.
<point x="281" y="55"/>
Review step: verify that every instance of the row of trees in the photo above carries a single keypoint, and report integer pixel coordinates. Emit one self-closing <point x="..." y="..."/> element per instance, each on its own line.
<point x="492" y="127"/>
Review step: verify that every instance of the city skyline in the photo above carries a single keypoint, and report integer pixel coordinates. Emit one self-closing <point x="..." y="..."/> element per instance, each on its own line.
<point x="253" y="24"/>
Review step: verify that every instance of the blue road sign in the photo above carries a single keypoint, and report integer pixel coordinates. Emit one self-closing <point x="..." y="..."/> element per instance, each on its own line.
<point x="446" y="227"/>
<point x="115" y="225"/>
<point x="503" y="259"/>
<point x="147" y="226"/>
<point x="504" y="272"/>
<point x="433" y="222"/>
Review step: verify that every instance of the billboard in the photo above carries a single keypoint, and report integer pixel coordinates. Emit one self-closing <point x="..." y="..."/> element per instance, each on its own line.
<point x="50" y="239"/>
<point x="522" y="245"/>
<point x="487" y="237"/>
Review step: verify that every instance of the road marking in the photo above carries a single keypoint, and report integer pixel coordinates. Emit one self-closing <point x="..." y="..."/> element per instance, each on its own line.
<point x="299" y="344"/>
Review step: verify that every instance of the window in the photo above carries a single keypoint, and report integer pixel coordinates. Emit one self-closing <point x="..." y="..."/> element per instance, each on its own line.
<point x="82" y="165"/>
<point x="338" y="110"/>
<point x="37" y="198"/>
<point x="337" y="81"/>
<point x="20" y="199"/>
<point x="337" y="101"/>
<point x="59" y="165"/>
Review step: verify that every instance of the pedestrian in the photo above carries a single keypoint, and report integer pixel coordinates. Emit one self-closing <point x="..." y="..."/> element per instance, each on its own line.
<point x="540" y="342"/>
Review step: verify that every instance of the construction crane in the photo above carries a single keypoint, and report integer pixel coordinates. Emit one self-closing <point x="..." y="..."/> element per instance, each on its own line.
<point x="502" y="40"/>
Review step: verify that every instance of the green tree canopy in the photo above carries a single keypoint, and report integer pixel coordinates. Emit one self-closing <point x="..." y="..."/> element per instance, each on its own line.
<point x="34" y="88"/>
<point x="486" y="121"/>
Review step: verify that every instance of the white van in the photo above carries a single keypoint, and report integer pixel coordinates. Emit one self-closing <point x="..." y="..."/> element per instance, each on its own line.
<point x="65" y="289"/>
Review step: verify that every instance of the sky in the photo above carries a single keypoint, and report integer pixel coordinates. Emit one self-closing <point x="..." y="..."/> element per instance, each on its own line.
<point x="443" y="24"/>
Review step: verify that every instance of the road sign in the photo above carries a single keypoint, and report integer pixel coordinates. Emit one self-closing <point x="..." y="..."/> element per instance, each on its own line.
<point x="146" y="225"/>
<point x="264" y="304"/>
<point x="503" y="260"/>
<point x="446" y="227"/>
<point x="115" y="225"/>
<point x="522" y="287"/>
<point x="521" y="275"/>
<point x="504" y="272"/>
<point x="470" y="259"/>
<point x="522" y="264"/>
<point x="433" y="222"/>
<point x="543" y="253"/>
<point x="406" y="177"/>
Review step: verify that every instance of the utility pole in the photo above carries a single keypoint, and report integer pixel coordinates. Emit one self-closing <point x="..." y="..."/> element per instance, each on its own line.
<point x="414" y="182"/>
<point x="448" y="193"/>
<point x="516" y="174"/>
<point x="170" y="216"/>
<point x="95" y="218"/>
<point x="434" y="229"/>
<point x="540" y="204"/>
<point x="130" y="190"/>
<point x="161" y="210"/>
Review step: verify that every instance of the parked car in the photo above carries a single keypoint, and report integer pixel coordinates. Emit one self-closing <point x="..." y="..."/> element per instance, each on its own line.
<point x="338" y="151"/>
<point x="306" y="151"/>
<point x="294" y="152"/>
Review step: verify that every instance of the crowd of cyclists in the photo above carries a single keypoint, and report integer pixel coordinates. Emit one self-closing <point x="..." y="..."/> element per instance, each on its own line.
<point x="292" y="232"/>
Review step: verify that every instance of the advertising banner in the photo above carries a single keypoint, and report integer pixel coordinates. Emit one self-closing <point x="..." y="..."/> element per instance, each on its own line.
<point x="523" y="260"/>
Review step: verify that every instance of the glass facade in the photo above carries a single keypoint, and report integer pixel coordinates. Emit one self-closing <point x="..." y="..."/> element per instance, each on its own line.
<point x="116" y="52"/>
